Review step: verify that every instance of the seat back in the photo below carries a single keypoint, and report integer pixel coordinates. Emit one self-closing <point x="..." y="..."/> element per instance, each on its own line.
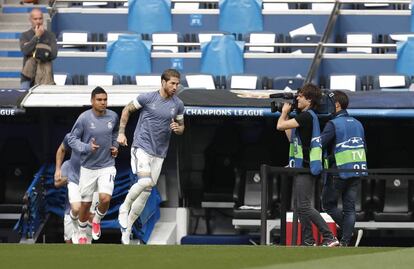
<point x="391" y="81"/>
<point x="244" y="81"/>
<point x="62" y="79"/>
<point x="165" y="38"/>
<point x="79" y="39"/>
<point x="261" y="38"/>
<point x="153" y="80"/>
<point x="311" y="39"/>
<point x="200" y="81"/>
<point x="288" y="83"/>
<point x="359" y="38"/>
<point x="102" y="79"/>
<point x="350" y="82"/>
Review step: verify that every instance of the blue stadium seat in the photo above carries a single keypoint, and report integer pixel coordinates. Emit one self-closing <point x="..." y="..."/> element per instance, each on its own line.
<point x="306" y="39"/>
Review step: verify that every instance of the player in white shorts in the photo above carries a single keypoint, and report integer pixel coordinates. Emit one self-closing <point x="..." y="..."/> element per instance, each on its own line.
<point x="94" y="136"/>
<point x="161" y="112"/>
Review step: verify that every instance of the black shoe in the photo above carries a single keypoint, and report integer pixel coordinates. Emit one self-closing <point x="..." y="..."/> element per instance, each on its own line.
<point x="343" y="244"/>
<point x="309" y="244"/>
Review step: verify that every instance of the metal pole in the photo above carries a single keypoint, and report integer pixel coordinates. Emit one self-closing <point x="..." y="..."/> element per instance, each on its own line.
<point x="263" y="215"/>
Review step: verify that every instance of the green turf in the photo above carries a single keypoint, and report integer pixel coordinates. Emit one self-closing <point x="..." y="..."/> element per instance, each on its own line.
<point x="60" y="256"/>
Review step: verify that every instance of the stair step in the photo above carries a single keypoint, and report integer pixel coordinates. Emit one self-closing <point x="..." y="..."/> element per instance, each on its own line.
<point x="9" y="44"/>
<point x="14" y="17"/>
<point x="9" y="83"/>
<point x="11" y="63"/>
<point x="14" y="27"/>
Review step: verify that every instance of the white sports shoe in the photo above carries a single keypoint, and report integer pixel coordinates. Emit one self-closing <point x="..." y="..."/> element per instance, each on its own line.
<point x="123" y="217"/>
<point x="126" y="236"/>
<point x="75" y="237"/>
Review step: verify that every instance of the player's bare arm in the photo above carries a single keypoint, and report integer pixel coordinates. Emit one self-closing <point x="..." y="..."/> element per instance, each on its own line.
<point x="60" y="155"/>
<point x="177" y="126"/>
<point x="126" y="112"/>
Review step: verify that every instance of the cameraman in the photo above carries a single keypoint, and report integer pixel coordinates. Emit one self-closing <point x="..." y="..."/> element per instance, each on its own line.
<point x="305" y="151"/>
<point x="343" y="139"/>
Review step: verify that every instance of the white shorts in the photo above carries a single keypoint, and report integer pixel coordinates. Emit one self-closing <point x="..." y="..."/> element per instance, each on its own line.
<point x="67" y="227"/>
<point x="99" y="180"/>
<point x="142" y="162"/>
<point x="74" y="193"/>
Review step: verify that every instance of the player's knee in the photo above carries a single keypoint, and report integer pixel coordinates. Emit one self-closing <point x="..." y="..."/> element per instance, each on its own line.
<point x="146" y="182"/>
<point x="104" y="199"/>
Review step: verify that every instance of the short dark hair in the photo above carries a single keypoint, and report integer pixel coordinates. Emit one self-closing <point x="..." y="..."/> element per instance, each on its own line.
<point x="341" y="98"/>
<point x="311" y="92"/>
<point x="97" y="90"/>
<point x="169" y="73"/>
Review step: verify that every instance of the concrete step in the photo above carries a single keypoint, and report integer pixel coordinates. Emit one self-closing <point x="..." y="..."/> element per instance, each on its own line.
<point x="14" y="26"/>
<point x="9" y="83"/>
<point x="8" y="17"/>
<point x="11" y="63"/>
<point x="9" y="44"/>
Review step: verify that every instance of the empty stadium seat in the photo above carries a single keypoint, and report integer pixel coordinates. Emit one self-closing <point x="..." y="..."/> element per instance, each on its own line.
<point x="288" y="83"/>
<point x="261" y="38"/>
<point x="311" y="39"/>
<point x="350" y="82"/>
<point x="167" y="38"/>
<point x="358" y="39"/>
<point x="78" y="40"/>
<point x="200" y="81"/>
<point x="62" y="79"/>
<point x="391" y="81"/>
<point x="148" y="80"/>
<point x="102" y="79"/>
<point x="244" y="81"/>
<point x="394" y="199"/>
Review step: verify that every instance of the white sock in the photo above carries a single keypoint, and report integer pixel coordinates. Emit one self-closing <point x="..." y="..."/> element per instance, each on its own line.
<point x="137" y="208"/>
<point x="74" y="220"/>
<point x="82" y="228"/>
<point x="135" y="191"/>
<point x="98" y="216"/>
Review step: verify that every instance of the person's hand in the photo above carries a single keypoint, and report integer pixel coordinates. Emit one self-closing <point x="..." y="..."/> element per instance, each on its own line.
<point x="60" y="181"/>
<point x="114" y="152"/>
<point x="122" y="140"/>
<point x="287" y="107"/>
<point x="175" y="127"/>
<point x="94" y="146"/>
<point x="39" y="30"/>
